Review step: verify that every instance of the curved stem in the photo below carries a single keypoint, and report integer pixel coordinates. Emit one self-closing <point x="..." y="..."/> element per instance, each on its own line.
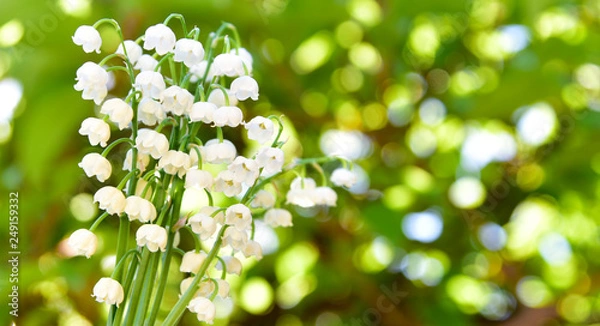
<point x="115" y="143"/>
<point x="181" y="19"/>
<point x="98" y="221"/>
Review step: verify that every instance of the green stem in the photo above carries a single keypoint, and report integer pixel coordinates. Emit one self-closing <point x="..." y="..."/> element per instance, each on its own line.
<point x="137" y="287"/>
<point x="180" y="306"/>
<point x="116" y="315"/>
<point x="98" y="221"/>
<point x="112" y="145"/>
<point x="146" y="295"/>
<point x="166" y="262"/>
<point x="181" y="19"/>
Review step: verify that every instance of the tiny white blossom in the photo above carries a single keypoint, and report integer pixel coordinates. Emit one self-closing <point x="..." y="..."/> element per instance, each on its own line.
<point x="142" y="161"/>
<point x="245" y="87"/>
<point x="301" y="192"/>
<point x="263" y="199"/>
<point x="343" y="177"/>
<point x="97" y="130"/>
<point x="278" y="217"/>
<point x="192" y="261"/>
<point x="83" y="242"/>
<point x="151" y="84"/>
<point x="154" y="237"/>
<point x="253" y="248"/>
<point x="199" y="179"/>
<point x="140" y="185"/>
<point x="239" y="216"/>
<point x="118" y="111"/>
<point x="134" y="51"/>
<point x="175" y="162"/>
<point x="146" y="63"/>
<point x="224" y="288"/>
<point x="152" y="143"/>
<point x="150" y="112"/>
<point x="324" y="196"/>
<point x="88" y="38"/>
<point x="138" y="208"/>
<point x="93" y="81"/>
<point x="227" y="64"/>
<point x="198" y="71"/>
<point x="216" y="152"/>
<point x="108" y="290"/>
<point x="225" y="183"/>
<point x="260" y="129"/>
<point x="204" y="309"/>
<point x="177" y="100"/>
<point x="190" y="52"/>
<point x="230" y="116"/>
<point x="110" y="199"/>
<point x="245" y="56"/>
<point x="235" y="238"/>
<point x="203" y="111"/>
<point x="244" y="170"/>
<point x="217" y="97"/>
<point x="203" y="225"/>
<point x="159" y="37"/>
<point x="232" y="265"/>
<point x="271" y="160"/>
<point x="185" y="284"/>
<point x="94" y="164"/>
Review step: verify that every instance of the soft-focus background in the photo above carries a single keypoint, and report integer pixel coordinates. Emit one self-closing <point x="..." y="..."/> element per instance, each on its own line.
<point x="474" y="126"/>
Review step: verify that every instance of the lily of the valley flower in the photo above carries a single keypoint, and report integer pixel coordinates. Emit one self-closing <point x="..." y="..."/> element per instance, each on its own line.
<point x="199" y="179"/>
<point x="245" y="87"/>
<point x="188" y="51"/>
<point x="110" y="199"/>
<point x="93" y="81"/>
<point x="217" y="97"/>
<point x="278" y="217"/>
<point x="150" y="111"/>
<point x="134" y="51"/>
<point x="343" y="177"/>
<point x="204" y="309"/>
<point x="177" y="100"/>
<point x="203" y="111"/>
<point x="146" y="63"/>
<point x="301" y="192"/>
<point x="260" y="129"/>
<point x="88" y="38"/>
<point x="138" y="208"/>
<point x="94" y="164"/>
<point x="235" y="238"/>
<point x="142" y="161"/>
<point x="83" y="242"/>
<point x="192" y="261"/>
<point x="239" y="216"/>
<point x="108" y="290"/>
<point x="154" y="237"/>
<point x="324" y="196"/>
<point x="227" y="64"/>
<point x="118" y="111"/>
<point x="97" y="130"/>
<point x="151" y="84"/>
<point x="225" y="183"/>
<point x="271" y="160"/>
<point x="216" y="152"/>
<point x="263" y="199"/>
<point x="246" y="57"/>
<point x="244" y="170"/>
<point x="230" y="116"/>
<point x="203" y="225"/>
<point x="175" y="162"/>
<point x="152" y="143"/>
<point x="232" y="265"/>
<point x="159" y="37"/>
<point x="253" y="248"/>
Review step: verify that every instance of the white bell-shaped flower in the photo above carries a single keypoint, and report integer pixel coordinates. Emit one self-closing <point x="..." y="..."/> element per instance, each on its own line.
<point x="188" y="51"/>
<point x="203" y="111"/>
<point x="150" y="112"/>
<point x="203" y="225"/>
<point x="343" y="177"/>
<point x="204" y="309"/>
<point x="175" y="162"/>
<point x="177" y="100"/>
<point x="159" y="37"/>
<point x="83" y="242"/>
<point x="198" y="179"/>
<point x="216" y="152"/>
<point x="232" y="265"/>
<point x="253" y="248"/>
<point x="244" y="170"/>
<point x="263" y="199"/>
<point x="192" y="261"/>
<point x="134" y="51"/>
<point x="260" y="129"/>
<point x="217" y="97"/>
<point x="225" y="183"/>
<point x="110" y="199"/>
<point x="227" y="64"/>
<point x="185" y="284"/>
<point x="271" y="160"/>
<point x="246" y="57"/>
<point x="97" y="130"/>
<point x="140" y="185"/>
<point x="146" y="63"/>
<point x="88" y="38"/>
<point x="238" y="216"/>
<point x="138" y="208"/>
<point x="230" y="116"/>
<point x="278" y="217"/>
<point x="198" y="71"/>
<point x="108" y="290"/>
<point x="151" y="84"/>
<point x="324" y="196"/>
<point x="153" y="236"/>
<point x="118" y="111"/>
<point x="301" y="192"/>
<point x="224" y="288"/>
<point x="93" y="81"/>
<point x="94" y="164"/>
<point x="152" y="143"/>
<point x="235" y="238"/>
<point x="245" y="87"/>
<point x="142" y="161"/>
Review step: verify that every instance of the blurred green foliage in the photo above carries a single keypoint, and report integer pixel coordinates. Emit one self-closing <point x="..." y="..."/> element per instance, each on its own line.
<point x="477" y="119"/>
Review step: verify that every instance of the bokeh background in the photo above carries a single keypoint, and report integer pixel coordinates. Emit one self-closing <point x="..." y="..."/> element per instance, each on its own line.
<point x="474" y="126"/>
